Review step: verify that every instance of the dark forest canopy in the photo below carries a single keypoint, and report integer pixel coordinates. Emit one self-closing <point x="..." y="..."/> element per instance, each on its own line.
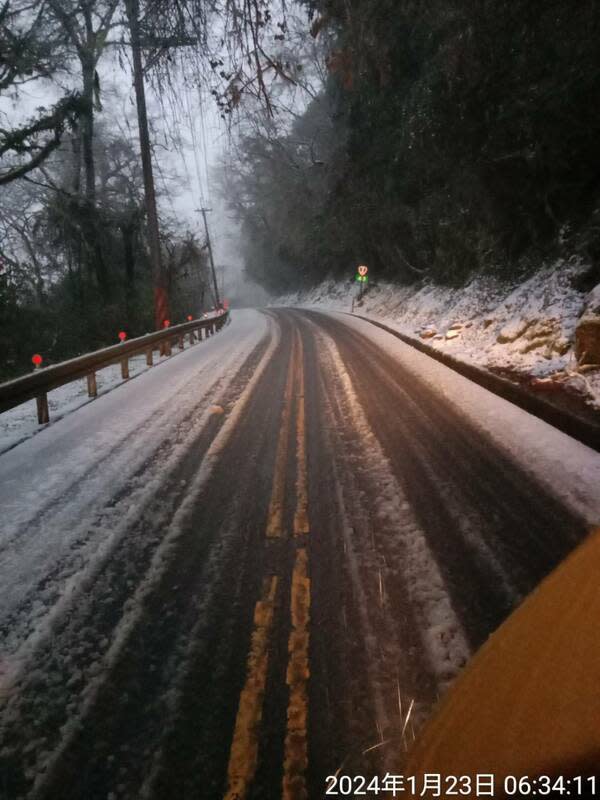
<point x="448" y="138"/>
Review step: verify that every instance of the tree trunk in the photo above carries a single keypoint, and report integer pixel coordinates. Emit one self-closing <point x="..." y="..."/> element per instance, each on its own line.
<point x="93" y="236"/>
<point x="75" y="182"/>
<point x="161" y="293"/>
<point x="87" y="129"/>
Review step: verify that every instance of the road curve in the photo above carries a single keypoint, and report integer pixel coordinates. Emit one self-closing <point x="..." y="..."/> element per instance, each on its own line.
<point x="330" y="548"/>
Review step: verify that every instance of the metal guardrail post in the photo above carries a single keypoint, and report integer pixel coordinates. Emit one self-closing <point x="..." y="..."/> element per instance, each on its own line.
<point x="42" y="409"/>
<point x="92" y="385"/>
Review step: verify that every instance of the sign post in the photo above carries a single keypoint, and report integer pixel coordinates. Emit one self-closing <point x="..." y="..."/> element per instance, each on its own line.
<point x="42" y="399"/>
<point x="362" y="279"/>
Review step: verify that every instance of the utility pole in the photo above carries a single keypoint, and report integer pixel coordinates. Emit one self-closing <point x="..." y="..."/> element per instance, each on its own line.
<point x="161" y="293"/>
<point x="210" y="254"/>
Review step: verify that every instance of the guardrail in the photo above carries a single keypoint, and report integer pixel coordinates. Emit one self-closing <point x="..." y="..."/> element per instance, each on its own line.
<point x="37" y="384"/>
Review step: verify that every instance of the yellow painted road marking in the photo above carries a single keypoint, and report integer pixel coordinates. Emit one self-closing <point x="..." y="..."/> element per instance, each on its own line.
<point x="244" y="749"/>
<point x="301" y="524"/>
<point x="298" y="671"/>
<point x="275" y="517"/>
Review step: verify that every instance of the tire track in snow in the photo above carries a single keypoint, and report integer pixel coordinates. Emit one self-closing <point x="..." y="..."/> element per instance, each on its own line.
<point x="164" y="418"/>
<point x="494" y="531"/>
<point x="380" y="513"/>
<point x="94" y="539"/>
<point x="160" y="552"/>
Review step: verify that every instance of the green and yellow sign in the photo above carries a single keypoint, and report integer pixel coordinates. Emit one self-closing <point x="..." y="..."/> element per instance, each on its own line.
<point x="361" y="275"/>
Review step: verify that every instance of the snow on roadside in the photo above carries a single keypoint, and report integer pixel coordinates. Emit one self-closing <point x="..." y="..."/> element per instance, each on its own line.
<point x="68" y="494"/>
<point x="174" y="528"/>
<point x="569" y="469"/>
<point x="523" y="327"/>
<point x="20" y="423"/>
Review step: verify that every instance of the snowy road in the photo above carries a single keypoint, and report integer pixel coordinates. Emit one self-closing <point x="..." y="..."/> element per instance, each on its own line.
<point x="250" y="565"/>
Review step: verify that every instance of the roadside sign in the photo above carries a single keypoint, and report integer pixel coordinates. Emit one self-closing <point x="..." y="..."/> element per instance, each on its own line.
<point x="361" y="275"/>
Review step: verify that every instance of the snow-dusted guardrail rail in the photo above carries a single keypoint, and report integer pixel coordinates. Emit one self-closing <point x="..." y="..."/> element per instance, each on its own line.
<point x="39" y="383"/>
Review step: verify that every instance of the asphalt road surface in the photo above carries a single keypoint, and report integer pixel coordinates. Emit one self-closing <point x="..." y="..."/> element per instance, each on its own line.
<point x="315" y="570"/>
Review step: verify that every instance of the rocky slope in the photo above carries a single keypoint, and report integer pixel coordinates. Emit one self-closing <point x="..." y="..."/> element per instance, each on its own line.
<point x="545" y="330"/>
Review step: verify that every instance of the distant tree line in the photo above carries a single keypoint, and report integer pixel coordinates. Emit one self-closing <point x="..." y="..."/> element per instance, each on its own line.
<point x="447" y="138"/>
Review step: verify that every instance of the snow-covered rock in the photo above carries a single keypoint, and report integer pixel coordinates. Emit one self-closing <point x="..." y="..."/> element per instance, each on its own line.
<point x="587" y="333"/>
<point x="513" y="330"/>
<point x="587" y="340"/>
<point x="427" y="333"/>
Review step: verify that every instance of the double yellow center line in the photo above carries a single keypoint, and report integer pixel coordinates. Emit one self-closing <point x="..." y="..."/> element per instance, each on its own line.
<point x="244" y="749"/>
<point x="295" y="760"/>
<point x="276" y="504"/>
<point x="301" y="516"/>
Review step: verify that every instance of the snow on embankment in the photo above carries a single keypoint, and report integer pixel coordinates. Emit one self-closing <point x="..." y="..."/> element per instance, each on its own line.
<point x="526" y="328"/>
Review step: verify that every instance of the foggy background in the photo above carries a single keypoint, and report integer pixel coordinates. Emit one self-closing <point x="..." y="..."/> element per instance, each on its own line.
<point x="183" y="174"/>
